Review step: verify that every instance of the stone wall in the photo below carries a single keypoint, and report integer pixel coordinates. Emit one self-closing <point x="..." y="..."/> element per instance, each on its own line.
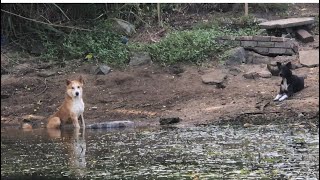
<point x="264" y="45"/>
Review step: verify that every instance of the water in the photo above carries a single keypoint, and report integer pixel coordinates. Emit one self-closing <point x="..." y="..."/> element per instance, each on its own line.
<point x="207" y="152"/>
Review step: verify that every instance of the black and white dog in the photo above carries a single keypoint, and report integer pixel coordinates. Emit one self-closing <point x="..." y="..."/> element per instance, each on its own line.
<point x="290" y="83"/>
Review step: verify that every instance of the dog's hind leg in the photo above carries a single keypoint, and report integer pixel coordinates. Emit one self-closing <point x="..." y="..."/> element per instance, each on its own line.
<point x="54" y="122"/>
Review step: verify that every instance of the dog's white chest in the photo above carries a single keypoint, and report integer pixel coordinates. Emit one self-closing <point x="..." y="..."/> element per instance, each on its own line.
<point x="78" y="107"/>
<point x="284" y="85"/>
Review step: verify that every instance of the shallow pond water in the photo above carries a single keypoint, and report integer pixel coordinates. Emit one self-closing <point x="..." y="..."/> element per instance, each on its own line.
<point x="205" y="152"/>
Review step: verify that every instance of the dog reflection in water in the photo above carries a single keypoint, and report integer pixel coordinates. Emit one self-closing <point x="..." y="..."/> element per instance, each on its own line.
<point x="75" y="144"/>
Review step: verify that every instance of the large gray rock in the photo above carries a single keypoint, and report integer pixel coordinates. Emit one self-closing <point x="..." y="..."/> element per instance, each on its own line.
<point x="251" y="74"/>
<point x="139" y="58"/>
<point x="235" y="56"/>
<point x="127" y="27"/>
<point x="100" y="70"/>
<point x="285" y="23"/>
<point x="304" y="36"/>
<point x="217" y="77"/>
<point x="309" y="58"/>
<point x="255" y="58"/>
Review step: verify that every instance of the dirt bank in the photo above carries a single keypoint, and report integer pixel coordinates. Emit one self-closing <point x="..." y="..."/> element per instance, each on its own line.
<point x="145" y="94"/>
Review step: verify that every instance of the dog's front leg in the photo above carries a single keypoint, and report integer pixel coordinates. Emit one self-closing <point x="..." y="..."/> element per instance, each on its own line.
<point x="287" y="94"/>
<point x="75" y="121"/>
<point x="281" y="93"/>
<point x="83" y="124"/>
<point x="278" y="97"/>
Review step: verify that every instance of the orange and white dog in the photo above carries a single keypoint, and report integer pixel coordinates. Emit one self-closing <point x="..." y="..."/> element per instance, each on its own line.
<point x="72" y="107"/>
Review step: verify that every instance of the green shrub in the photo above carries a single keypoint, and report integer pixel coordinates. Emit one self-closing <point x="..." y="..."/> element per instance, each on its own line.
<point x="193" y="45"/>
<point x="103" y="43"/>
<point x="105" y="47"/>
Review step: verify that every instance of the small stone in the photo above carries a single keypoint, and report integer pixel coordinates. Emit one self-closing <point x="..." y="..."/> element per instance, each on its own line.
<point x="309" y="58"/>
<point x="216" y="77"/>
<point x="26" y="126"/>
<point x="246" y="125"/>
<point x="101" y="70"/>
<point x="300" y="115"/>
<point x="251" y="75"/>
<point x="171" y="120"/>
<point x="273" y="69"/>
<point x="234" y="70"/>
<point x="265" y="74"/>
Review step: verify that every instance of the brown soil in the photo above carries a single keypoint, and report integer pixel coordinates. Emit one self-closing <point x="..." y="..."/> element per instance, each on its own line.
<point x="144" y="94"/>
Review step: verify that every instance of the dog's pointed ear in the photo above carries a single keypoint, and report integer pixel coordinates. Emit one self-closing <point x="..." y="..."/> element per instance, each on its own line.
<point x="279" y="64"/>
<point x="68" y="81"/>
<point x="289" y="65"/>
<point x="81" y="80"/>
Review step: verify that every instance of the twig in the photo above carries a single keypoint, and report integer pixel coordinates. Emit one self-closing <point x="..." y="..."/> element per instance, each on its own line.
<point x="45" y="83"/>
<point x="9" y="58"/>
<point x="259" y="112"/>
<point x="45" y="19"/>
<point x="49" y="24"/>
<point x="61" y="11"/>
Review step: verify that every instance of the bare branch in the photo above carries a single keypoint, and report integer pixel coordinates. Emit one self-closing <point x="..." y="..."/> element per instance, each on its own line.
<point x="61" y="11"/>
<point x="49" y="24"/>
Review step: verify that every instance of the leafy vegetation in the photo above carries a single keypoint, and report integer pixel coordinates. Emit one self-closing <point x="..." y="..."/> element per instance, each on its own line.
<point x="195" y="45"/>
<point x="92" y="32"/>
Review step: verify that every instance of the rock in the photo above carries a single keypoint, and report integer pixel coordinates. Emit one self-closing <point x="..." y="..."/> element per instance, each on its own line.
<point x="217" y="77"/>
<point x="234" y="70"/>
<point x="261" y="20"/>
<point x="46" y="73"/>
<point x="251" y="75"/>
<point x="139" y="58"/>
<point x="31" y="117"/>
<point x="171" y="120"/>
<point x="265" y="74"/>
<point x="175" y="69"/>
<point x="255" y="58"/>
<point x="273" y="69"/>
<point x="236" y="56"/>
<point x="309" y="58"/>
<point x="5" y="96"/>
<point x="100" y="70"/>
<point x="304" y="36"/>
<point x="26" y="126"/>
<point x="127" y="27"/>
<point x="285" y="23"/>
<point x="246" y="125"/>
<point x="111" y="124"/>
<point x="262" y="32"/>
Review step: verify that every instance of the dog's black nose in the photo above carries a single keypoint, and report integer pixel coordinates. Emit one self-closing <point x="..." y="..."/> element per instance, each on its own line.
<point x="77" y="93"/>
